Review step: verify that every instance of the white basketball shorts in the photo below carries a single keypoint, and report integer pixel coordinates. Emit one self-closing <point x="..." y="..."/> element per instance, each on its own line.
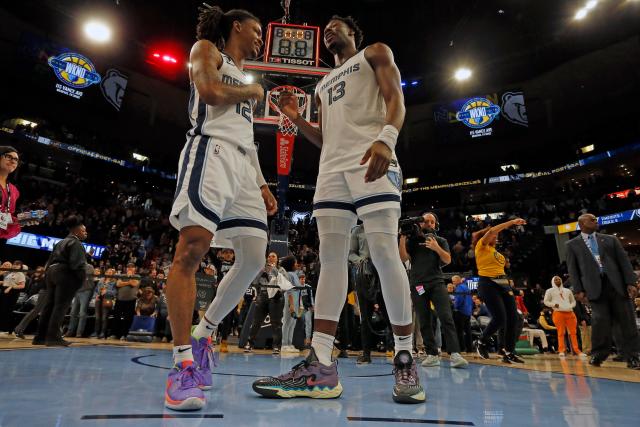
<point x="217" y="190"/>
<point x="345" y="194"/>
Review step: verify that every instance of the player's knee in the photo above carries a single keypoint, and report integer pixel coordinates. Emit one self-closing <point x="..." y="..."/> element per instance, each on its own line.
<point x="189" y="254"/>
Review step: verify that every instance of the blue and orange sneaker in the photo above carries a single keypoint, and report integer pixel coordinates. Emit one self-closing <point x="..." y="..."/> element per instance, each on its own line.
<point x="204" y="357"/>
<point x="183" y="392"/>
<point x="308" y="378"/>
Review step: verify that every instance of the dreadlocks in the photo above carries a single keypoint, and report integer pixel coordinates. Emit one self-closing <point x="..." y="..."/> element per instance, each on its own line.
<point x="215" y="25"/>
<point x="353" y="25"/>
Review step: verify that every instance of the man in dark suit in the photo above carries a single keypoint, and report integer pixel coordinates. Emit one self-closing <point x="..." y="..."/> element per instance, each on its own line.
<point x="599" y="269"/>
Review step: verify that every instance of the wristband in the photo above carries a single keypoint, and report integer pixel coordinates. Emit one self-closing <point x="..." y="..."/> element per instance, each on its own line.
<point x="389" y="136"/>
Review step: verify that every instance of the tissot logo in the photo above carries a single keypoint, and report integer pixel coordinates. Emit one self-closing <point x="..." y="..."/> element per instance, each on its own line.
<point x="293" y="61"/>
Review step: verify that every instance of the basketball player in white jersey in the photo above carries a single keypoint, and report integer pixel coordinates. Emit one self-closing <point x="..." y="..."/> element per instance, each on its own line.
<point x="220" y="191"/>
<point x="361" y="109"/>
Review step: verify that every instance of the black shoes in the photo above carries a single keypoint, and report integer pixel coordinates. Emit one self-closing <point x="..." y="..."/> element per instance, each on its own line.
<point x="618" y="358"/>
<point x="514" y="358"/>
<point x="19" y="334"/>
<point x="634" y="363"/>
<point x="595" y="361"/>
<point x="481" y="349"/>
<point x="364" y="359"/>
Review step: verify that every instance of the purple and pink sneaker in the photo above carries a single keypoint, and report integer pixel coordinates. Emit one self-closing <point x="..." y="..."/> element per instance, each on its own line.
<point x="204" y="358"/>
<point x="308" y="378"/>
<point x="183" y="392"/>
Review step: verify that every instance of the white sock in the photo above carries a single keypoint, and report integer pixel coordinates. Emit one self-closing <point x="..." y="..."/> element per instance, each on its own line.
<point x="182" y="353"/>
<point x="206" y="328"/>
<point x="403" y="342"/>
<point x="322" y="344"/>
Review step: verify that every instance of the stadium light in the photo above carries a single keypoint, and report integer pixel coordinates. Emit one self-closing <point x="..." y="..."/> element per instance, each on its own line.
<point x="462" y="74"/>
<point x="249" y="78"/>
<point x="591" y="4"/>
<point x="411" y="181"/>
<point x="587" y="149"/>
<point x="97" y="31"/>
<point x="581" y="14"/>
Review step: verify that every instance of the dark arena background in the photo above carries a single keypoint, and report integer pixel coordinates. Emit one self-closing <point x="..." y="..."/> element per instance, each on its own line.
<point x="514" y="109"/>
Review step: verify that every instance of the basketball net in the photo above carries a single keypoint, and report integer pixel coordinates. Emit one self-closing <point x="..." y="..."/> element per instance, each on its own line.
<point x="285" y="138"/>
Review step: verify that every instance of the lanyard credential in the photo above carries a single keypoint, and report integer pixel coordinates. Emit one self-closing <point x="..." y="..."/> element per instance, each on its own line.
<point x="8" y="207"/>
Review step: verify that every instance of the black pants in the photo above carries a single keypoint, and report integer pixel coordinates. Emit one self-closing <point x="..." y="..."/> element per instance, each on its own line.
<point x="346" y="326"/>
<point x="463" y="328"/>
<point x="274" y="308"/>
<point x="612" y="308"/>
<point x="504" y="315"/>
<point x="62" y="285"/>
<point x="435" y="292"/>
<point x="123" y="313"/>
<point x="35" y="311"/>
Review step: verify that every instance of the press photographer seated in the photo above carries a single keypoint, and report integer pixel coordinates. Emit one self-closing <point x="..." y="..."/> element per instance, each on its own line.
<point x="428" y="253"/>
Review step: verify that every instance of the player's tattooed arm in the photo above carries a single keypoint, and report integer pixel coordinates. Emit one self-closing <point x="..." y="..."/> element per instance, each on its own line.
<point x="206" y="61"/>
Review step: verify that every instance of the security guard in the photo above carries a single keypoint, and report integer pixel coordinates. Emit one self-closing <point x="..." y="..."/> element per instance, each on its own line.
<point x="65" y="273"/>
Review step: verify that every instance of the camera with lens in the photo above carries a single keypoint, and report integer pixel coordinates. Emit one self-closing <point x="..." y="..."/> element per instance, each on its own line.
<point x="410" y="227"/>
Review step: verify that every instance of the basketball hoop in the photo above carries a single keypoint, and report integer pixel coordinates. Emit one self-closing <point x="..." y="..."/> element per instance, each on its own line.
<point x="286" y="126"/>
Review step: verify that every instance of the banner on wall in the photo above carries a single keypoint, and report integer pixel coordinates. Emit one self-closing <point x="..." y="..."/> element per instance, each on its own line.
<point x="46" y="243"/>
<point x="603" y="220"/>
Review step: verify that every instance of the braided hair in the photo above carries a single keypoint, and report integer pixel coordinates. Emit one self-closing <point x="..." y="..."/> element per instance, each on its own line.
<point x="215" y="25"/>
<point x="353" y="25"/>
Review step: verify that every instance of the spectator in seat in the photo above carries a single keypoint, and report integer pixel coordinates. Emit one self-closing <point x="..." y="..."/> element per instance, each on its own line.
<point x="37" y="286"/>
<point x="147" y="303"/>
<point x="13" y="283"/>
<point x="582" y="311"/>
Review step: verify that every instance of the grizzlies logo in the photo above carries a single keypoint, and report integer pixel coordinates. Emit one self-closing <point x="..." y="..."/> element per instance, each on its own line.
<point x="396" y="178"/>
<point x="74" y="70"/>
<point x="478" y="113"/>
<point x="513" y="108"/>
<point x="113" y="87"/>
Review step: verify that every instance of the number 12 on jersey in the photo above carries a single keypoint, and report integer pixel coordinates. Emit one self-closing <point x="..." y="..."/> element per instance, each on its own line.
<point x="336" y="92"/>
<point x="244" y="109"/>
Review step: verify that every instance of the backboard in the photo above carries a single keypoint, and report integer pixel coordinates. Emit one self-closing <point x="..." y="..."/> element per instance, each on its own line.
<point x="271" y="76"/>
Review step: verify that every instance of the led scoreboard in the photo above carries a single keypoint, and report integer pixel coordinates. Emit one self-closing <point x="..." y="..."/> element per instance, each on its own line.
<point x="292" y="44"/>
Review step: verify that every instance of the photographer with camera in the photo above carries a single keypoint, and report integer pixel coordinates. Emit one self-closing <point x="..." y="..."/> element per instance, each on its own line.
<point x="428" y="253"/>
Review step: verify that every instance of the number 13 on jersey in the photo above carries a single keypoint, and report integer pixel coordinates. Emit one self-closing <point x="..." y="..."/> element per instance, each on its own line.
<point x="336" y="92"/>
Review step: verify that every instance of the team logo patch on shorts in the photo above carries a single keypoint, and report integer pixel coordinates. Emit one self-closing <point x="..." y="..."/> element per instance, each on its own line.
<point x="216" y="149"/>
<point x="396" y="178"/>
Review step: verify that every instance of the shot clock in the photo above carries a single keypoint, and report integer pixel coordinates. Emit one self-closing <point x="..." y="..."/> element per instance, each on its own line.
<point x="292" y="44"/>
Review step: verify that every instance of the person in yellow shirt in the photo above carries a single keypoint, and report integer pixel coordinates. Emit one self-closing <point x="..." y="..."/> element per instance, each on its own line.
<point x="495" y="290"/>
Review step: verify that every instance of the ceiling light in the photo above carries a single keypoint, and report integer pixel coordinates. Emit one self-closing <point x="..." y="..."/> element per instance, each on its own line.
<point x="591" y="4"/>
<point x="462" y="74"/>
<point x="97" y="31"/>
<point x="249" y="78"/>
<point x="581" y="14"/>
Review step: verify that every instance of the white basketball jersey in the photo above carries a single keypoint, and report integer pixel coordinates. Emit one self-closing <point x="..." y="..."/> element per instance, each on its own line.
<point x="353" y="113"/>
<point x="232" y="124"/>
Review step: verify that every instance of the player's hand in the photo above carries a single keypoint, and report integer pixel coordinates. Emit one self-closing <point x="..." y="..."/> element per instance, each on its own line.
<point x="288" y="104"/>
<point x="431" y="243"/>
<point x="518" y="221"/>
<point x="257" y="92"/>
<point x="379" y="158"/>
<point x="269" y="200"/>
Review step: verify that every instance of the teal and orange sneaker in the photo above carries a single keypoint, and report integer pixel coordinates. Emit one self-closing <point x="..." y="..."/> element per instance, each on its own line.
<point x="308" y="378"/>
<point x="183" y="392"/>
